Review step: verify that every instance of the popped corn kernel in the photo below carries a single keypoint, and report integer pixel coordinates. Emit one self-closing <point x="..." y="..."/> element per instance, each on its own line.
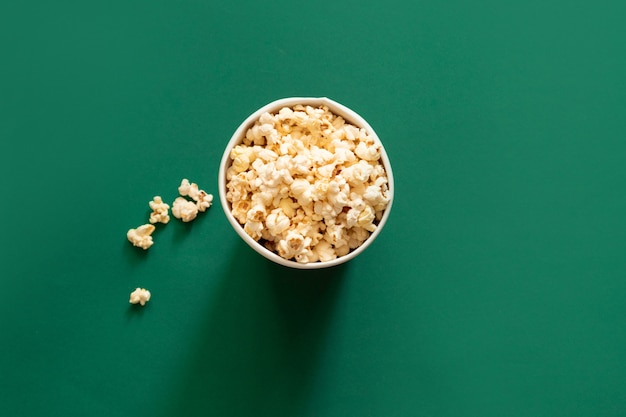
<point x="366" y="219"/>
<point x="307" y="256"/>
<point x="240" y="210"/>
<point x="358" y="173"/>
<point x="357" y="235"/>
<point x="256" y="213"/>
<point x="277" y="222"/>
<point x="202" y="200"/>
<point x="141" y="236"/>
<point x="288" y="206"/>
<point x="140" y="296"/>
<point x="293" y="244"/>
<point x="185" y="187"/>
<point x="342" y="250"/>
<point x="368" y="152"/>
<point x="302" y="190"/>
<point x="159" y="211"/>
<point x="242" y="156"/>
<point x="188" y="189"/>
<point x="325" y="251"/>
<point x="254" y="229"/>
<point x="184" y="209"/>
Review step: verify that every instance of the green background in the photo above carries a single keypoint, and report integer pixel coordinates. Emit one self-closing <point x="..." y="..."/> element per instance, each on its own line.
<point x="497" y="287"/>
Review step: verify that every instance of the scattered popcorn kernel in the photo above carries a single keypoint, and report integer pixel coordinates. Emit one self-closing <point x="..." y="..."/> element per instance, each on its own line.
<point x="202" y="200"/>
<point x="159" y="211"/>
<point x="184" y="209"/>
<point x="140" y="296"/>
<point x="306" y="184"/>
<point x="185" y="187"/>
<point x="141" y="236"/>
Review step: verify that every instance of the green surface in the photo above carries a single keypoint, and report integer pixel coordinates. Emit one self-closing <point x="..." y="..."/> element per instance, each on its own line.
<point x="496" y="289"/>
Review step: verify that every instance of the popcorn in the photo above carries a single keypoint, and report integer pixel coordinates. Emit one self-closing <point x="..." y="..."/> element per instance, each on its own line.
<point x="375" y="197"/>
<point x="159" y="211"/>
<point x="352" y="217"/>
<point x="293" y="244"/>
<point x="288" y="206"/>
<point x="325" y="251"/>
<point x="367" y="152"/>
<point x="140" y="296"/>
<point x="141" y="236"/>
<point x="204" y="201"/>
<point x="184" y="209"/>
<point x="301" y="189"/>
<point x="356" y="235"/>
<point x="357" y="174"/>
<point x="254" y="229"/>
<point x="242" y="158"/>
<point x="186" y="188"/>
<point x="306" y="184"/>
<point x="240" y="210"/>
<point x="307" y="256"/>
<point x="277" y="222"/>
<point x="366" y="219"/>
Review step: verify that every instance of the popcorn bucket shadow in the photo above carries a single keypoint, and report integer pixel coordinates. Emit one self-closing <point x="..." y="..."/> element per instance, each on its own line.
<point x="258" y="348"/>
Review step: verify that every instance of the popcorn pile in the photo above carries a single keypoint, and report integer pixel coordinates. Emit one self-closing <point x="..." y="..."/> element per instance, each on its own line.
<point x="306" y="184"/>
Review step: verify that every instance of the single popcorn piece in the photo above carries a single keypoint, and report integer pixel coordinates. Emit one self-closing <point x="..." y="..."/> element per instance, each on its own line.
<point x="184" y="209"/>
<point x="306" y="184"/>
<point x="140" y="296"/>
<point x="141" y="236"/>
<point x="277" y="222"/>
<point x="293" y="244"/>
<point x="202" y="199"/>
<point x="185" y="187"/>
<point x="159" y="211"/>
<point x="325" y="251"/>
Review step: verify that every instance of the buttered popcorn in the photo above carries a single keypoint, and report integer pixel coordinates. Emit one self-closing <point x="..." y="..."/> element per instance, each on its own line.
<point x="159" y="211"/>
<point x="187" y="210"/>
<point x="202" y="200"/>
<point x="140" y="296"/>
<point x="308" y="185"/>
<point x="184" y="209"/>
<point x="141" y="237"/>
